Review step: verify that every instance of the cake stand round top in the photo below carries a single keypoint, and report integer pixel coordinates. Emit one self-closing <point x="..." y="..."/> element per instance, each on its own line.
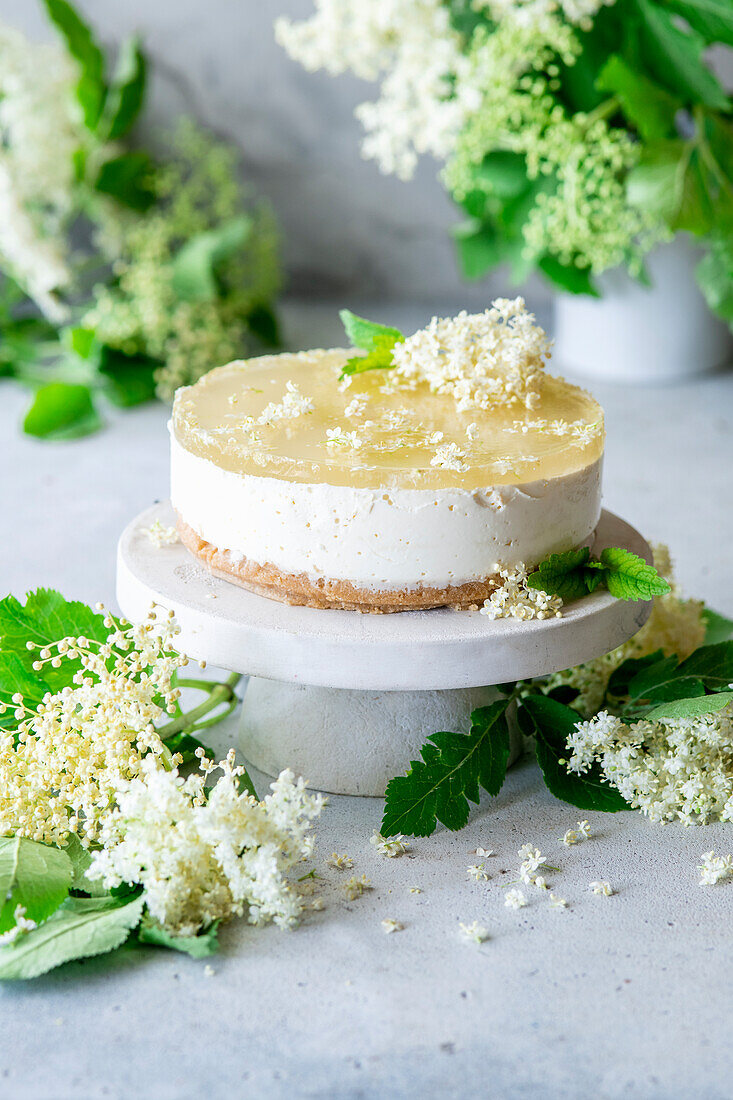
<point x="408" y="651"/>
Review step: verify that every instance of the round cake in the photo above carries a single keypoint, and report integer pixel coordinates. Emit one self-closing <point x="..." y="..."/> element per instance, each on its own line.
<point x="405" y="475"/>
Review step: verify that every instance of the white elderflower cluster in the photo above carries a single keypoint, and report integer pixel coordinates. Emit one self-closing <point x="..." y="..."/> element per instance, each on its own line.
<point x="477" y="872"/>
<point x="537" y="13"/>
<point x="41" y="129"/>
<point x="515" y="899"/>
<point x="449" y="456"/>
<point x="160" y="535"/>
<point x="356" y="406"/>
<point x="714" y="869"/>
<point x="484" y="359"/>
<point x="413" y="48"/>
<point x="390" y="925"/>
<point x="532" y="859"/>
<point x="21" y="927"/>
<point x="207" y="856"/>
<point x="669" y="768"/>
<point x="514" y="599"/>
<point x="573" y="836"/>
<point x="389" y="846"/>
<point x="675" y="626"/>
<point x="473" y="932"/>
<point x="337" y="437"/>
<point x="293" y="405"/>
<point x="355" y="887"/>
<point x="59" y="770"/>
<point x="340" y="861"/>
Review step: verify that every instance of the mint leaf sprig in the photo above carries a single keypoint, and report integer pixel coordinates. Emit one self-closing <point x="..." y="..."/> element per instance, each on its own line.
<point x="575" y="574"/>
<point x="375" y="339"/>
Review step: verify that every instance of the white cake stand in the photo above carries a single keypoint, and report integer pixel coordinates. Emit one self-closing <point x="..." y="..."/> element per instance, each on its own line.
<point x="347" y="699"/>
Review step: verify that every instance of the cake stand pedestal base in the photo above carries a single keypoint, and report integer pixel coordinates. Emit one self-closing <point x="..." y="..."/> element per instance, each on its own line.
<point x="348" y="699"/>
<point x="351" y="742"/>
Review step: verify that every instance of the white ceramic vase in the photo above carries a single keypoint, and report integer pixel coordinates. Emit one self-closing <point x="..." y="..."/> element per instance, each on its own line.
<point x="642" y="334"/>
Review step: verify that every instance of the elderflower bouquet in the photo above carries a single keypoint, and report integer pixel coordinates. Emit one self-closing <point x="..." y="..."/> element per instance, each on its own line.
<point x="102" y="837"/>
<point x="121" y="274"/>
<point x="575" y="134"/>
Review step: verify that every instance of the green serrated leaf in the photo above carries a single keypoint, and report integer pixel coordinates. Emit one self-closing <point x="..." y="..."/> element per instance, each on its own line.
<point x="368" y="335"/>
<point x="629" y="577"/>
<point x="81" y="861"/>
<point x="691" y="708"/>
<point x="61" y="410"/>
<point x="186" y="744"/>
<point x="453" y="768"/>
<point x="648" y="107"/>
<point x="621" y="677"/>
<point x="46" y="617"/>
<point x="83" y="47"/>
<point x="15" y="677"/>
<point x="127" y="90"/>
<point x="717" y="627"/>
<point x="34" y="876"/>
<point x="552" y="723"/>
<point x="80" y="928"/>
<point x="656" y="184"/>
<point x="198" y="947"/>
<point x="127" y="178"/>
<point x="562" y="575"/>
<point x="195" y="267"/>
<point x="674" y="57"/>
<point x="710" y="666"/>
<point x="712" y="663"/>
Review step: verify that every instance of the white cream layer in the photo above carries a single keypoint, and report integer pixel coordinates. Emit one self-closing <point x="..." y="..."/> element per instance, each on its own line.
<point x="383" y="539"/>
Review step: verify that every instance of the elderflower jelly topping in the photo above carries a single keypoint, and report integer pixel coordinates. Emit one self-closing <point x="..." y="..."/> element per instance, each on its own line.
<point x="380" y="430"/>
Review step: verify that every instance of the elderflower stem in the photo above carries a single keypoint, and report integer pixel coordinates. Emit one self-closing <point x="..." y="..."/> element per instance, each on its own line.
<point x="219" y="693"/>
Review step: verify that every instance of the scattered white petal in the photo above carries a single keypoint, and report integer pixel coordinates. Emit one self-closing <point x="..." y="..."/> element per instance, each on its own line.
<point x="390" y="925"/>
<point x="473" y="932"/>
<point x="515" y="899"/>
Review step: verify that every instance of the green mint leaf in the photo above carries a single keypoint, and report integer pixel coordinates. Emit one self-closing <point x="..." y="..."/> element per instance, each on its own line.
<point x="35" y="876"/>
<point x="551" y="723"/>
<point x="691" y="708"/>
<point x="84" y="49"/>
<point x="198" y="947"/>
<point x="453" y="767"/>
<point x="127" y="178"/>
<point x="128" y="379"/>
<point x="562" y="575"/>
<point x="629" y="577"/>
<point x="649" y="108"/>
<point x="195" y="266"/>
<point x="61" y="410"/>
<point x="367" y="334"/>
<point x="380" y="358"/>
<point x="127" y="91"/>
<point x="574" y="280"/>
<point x="713" y="19"/>
<point x="674" y="57"/>
<point x="717" y="627"/>
<point x="80" y="928"/>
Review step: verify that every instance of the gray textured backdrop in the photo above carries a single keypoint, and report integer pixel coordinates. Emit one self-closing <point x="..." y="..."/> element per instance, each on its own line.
<point x="347" y="228"/>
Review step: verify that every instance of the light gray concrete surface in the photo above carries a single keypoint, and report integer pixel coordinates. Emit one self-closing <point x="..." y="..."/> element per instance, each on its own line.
<point x="615" y="998"/>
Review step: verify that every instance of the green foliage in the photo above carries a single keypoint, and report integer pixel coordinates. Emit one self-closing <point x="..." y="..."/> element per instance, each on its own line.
<point x="128" y="179"/>
<point x="194" y="268"/>
<point x="649" y="108"/>
<point x="694" y="707"/>
<point x="377" y="340"/>
<point x="61" y="410"/>
<point x="198" y="947"/>
<point x="712" y="19"/>
<point x="127" y="92"/>
<point x="453" y="768"/>
<point x="674" y="57"/>
<point x="551" y="723"/>
<point x="83" y="47"/>
<point x="79" y="929"/>
<point x="574" y="574"/>
<point x="718" y="628"/>
<point x="36" y="877"/>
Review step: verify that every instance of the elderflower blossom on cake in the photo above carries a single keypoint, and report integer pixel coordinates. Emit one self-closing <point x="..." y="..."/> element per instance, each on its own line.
<point x="424" y="483"/>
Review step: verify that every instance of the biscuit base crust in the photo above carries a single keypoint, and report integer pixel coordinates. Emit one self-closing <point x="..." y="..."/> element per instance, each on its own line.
<point x="299" y="589"/>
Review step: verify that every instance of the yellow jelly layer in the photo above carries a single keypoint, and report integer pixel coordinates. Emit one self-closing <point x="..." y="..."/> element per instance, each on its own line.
<point x="397" y="427"/>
